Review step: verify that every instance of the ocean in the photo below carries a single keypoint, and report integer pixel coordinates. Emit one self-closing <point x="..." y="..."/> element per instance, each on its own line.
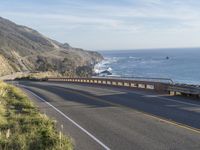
<point x="180" y="65"/>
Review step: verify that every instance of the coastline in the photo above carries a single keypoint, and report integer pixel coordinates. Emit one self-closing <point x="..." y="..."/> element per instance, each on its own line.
<point x="182" y="67"/>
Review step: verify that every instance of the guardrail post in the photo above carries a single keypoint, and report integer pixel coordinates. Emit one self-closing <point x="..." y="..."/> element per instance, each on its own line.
<point x="114" y="83"/>
<point x="108" y="82"/>
<point x="157" y="86"/>
<point x="161" y="87"/>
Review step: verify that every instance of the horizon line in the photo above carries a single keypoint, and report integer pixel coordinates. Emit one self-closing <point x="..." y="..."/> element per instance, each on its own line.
<point x="132" y="49"/>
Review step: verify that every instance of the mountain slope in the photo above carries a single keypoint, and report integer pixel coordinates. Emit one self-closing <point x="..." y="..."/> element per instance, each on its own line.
<point x="24" y="49"/>
<point x="5" y="67"/>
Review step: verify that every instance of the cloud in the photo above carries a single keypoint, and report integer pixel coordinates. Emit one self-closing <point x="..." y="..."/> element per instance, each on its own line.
<point x="141" y="13"/>
<point x="119" y="17"/>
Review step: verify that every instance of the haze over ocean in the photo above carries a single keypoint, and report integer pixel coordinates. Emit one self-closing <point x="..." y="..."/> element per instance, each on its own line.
<point x="182" y="65"/>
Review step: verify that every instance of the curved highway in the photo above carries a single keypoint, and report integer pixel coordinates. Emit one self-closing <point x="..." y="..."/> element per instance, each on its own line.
<point x="99" y="117"/>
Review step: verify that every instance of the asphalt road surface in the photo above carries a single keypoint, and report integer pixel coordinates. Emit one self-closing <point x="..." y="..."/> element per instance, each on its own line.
<point x="99" y="117"/>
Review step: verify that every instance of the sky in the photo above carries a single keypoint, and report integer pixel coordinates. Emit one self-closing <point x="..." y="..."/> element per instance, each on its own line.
<point x="110" y="24"/>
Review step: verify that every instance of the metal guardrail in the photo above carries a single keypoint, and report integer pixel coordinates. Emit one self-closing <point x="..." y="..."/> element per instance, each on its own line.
<point x="161" y="80"/>
<point x="120" y="82"/>
<point x="165" y="85"/>
<point x="183" y="89"/>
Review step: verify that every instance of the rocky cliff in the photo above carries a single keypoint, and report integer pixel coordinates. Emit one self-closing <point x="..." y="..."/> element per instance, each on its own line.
<point x="24" y="49"/>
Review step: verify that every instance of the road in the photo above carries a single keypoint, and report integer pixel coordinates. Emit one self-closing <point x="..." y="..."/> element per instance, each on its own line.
<point x="99" y="117"/>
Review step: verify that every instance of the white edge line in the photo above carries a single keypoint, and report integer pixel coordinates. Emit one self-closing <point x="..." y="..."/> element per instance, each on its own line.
<point x="68" y="118"/>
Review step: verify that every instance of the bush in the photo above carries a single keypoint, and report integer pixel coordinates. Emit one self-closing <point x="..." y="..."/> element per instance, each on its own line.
<point x="84" y="71"/>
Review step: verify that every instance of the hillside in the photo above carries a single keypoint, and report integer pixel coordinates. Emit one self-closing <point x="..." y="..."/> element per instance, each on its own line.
<point x="24" y="49"/>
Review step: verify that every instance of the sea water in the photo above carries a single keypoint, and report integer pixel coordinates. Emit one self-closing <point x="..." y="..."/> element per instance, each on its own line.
<point x="180" y="65"/>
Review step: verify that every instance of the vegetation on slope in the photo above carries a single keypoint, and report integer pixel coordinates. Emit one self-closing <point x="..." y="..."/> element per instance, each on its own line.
<point x="83" y="71"/>
<point x="24" y="49"/>
<point x="22" y="127"/>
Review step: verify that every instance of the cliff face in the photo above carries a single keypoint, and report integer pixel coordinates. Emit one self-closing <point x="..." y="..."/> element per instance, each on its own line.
<point x="24" y="49"/>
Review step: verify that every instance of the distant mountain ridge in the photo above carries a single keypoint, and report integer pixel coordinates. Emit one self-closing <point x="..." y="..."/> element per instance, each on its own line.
<point x="24" y="49"/>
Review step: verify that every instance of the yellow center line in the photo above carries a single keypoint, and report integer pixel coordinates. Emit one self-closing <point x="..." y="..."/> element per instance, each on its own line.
<point x="196" y="130"/>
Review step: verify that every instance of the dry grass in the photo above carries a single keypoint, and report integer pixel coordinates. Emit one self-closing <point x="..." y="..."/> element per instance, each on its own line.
<point x="22" y="127"/>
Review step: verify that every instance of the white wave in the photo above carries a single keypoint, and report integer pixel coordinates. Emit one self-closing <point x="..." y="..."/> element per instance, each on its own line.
<point x="132" y="57"/>
<point x="109" y="69"/>
<point x="105" y="64"/>
<point x="102" y="66"/>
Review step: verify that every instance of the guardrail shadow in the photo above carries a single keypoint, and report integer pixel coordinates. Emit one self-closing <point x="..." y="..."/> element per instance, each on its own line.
<point x="173" y="109"/>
